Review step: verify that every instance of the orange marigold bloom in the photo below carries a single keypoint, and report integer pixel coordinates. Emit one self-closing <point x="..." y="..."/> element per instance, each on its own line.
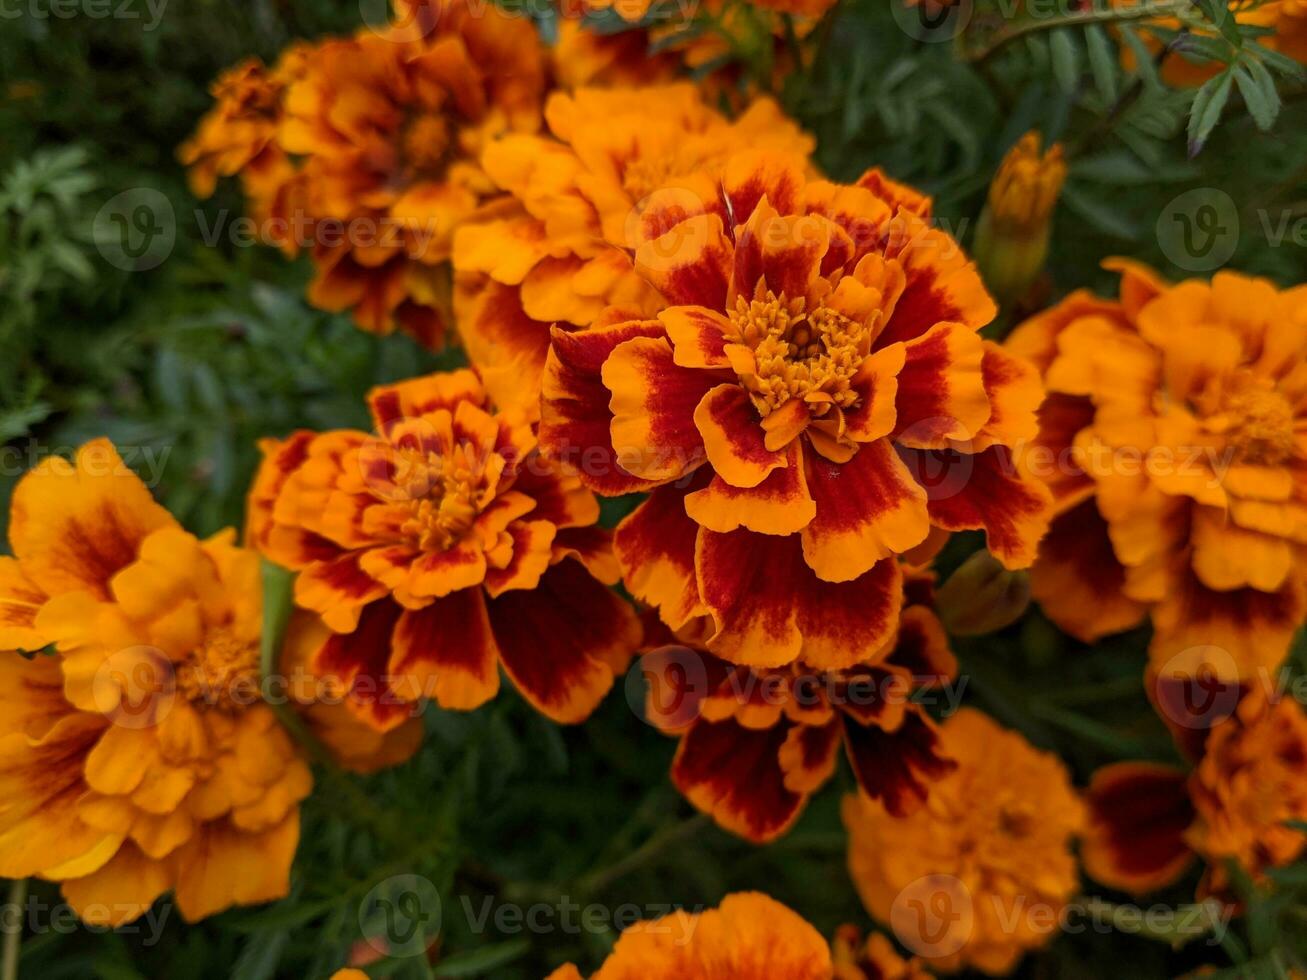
<point x="876" y="959"/>
<point x="582" y="57"/>
<point x="562" y="251"/>
<point x="440" y="548"/>
<point x="811" y="400"/>
<point x="1175" y="435"/>
<point x="980" y="874"/>
<point x="750" y="937"/>
<point x="1148" y="822"/>
<point x="137" y="755"/>
<point x="389" y="126"/>
<point x="755" y="745"/>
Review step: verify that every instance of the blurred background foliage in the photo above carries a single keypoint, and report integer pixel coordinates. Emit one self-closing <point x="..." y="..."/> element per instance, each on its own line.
<point x="190" y="362"/>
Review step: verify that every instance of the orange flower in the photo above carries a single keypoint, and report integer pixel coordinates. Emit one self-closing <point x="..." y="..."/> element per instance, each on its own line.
<point x="751" y="937"/>
<point x="136" y="752"/>
<point x="440" y="548"/>
<point x="635" y="11"/>
<point x="1173" y="434"/>
<point x="1148" y="822"/>
<point x="877" y="959"/>
<point x="814" y="371"/>
<point x="757" y="744"/>
<point x="562" y="251"/>
<point x="584" y="57"/>
<point x="989" y="857"/>
<point x="389" y="126"/>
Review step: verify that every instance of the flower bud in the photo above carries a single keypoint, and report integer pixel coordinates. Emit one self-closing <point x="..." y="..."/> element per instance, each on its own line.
<point x="982" y="596"/>
<point x="1012" y="237"/>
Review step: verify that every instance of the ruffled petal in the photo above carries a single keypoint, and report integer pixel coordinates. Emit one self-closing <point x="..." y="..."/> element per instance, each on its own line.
<point x="655" y="545"/>
<point x="1138" y="815"/>
<point x="448" y="652"/>
<point x="733" y="437"/>
<point x="780" y="504"/>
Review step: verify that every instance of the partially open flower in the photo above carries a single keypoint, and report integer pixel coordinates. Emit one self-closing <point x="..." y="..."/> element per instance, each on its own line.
<point x="1173" y="438"/>
<point x="563" y="251"/>
<point x="137" y="753"/>
<point x="757" y="744"/>
<point x="811" y="400"/>
<point x="980" y="874"/>
<point x="1149" y="822"/>
<point x="1012" y="237"/>
<point x="750" y="937"/>
<point x="439" y="548"/>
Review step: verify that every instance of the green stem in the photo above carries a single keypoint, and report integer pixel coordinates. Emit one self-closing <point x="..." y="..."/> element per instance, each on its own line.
<point x="14" y="935"/>
<point x="1145" y="11"/>
<point x="596" y="881"/>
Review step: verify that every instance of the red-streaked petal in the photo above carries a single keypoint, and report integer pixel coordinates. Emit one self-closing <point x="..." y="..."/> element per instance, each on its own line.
<point x="752" y="175"/>
<point x="563" y="641"/>
<point x="655" y="545"/>
<point x="733" y="437"/>
<point x="1138" y="813"/>
<point x="809" y="755"/>
<point x="419" y="396"/>
<point x="1015" y="393"/>
<point x="337" y="590"/>
<point x="941" y="390"/>
<point x="593" y="548"/>
<point x="734" y="774"/>
<point x="877" y="385"/>
<point x="985" y="490"/>
<point x="447" y="652"/>
<point x="532" y="552"/>
<point x="575" y="422"/>
<point x="698" y="336"/>
<point x="867" y="509"/>
<point x="356" y="663"/>
<point x="690" y="264"/>
<point x="653" y="403"/>
<point x="780" y="504"/>
<point x="896" y="767"/>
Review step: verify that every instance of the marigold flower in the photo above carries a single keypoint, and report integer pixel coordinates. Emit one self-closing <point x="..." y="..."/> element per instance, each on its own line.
<point x="1173" y="435"/>
<point x="1149" y="822"/>
<point x="755" y="744"/>
<point x="876" y="959"/>
<point x="814" y="369"/>
<point x="137" y="755"/>
<point x="1012" y="237"/>
<point x="389" y="126"/>
<point x="582" y="57"/>
<point x="992" y="843"/>
<point x="750" y="937"/>
<point x="438" y="549"/>
<point x="563" y="252"/>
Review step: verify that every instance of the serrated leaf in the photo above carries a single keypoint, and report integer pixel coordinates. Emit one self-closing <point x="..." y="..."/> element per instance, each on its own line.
<point x="1102" y="61"/>
<point x="1066" y="59"/>
<point x="1262" y="104"/>
<point x="1206" y="110"/>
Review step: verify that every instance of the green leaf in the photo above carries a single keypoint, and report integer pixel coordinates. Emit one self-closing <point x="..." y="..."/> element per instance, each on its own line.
<point x="1066" y="60"/>
<point x="1262" y="100"/>
<point x="476" y="962"/>
<point x="1102" y="61"/>
<point x="277" y="607"/>
<point x="1218" y="12"/>
<point x="259" y="958"/>
<point x="1206" y="111"/>
<point x="1144" y="66"/>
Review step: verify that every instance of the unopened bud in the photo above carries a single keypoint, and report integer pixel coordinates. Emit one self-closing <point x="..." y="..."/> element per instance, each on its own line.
<point x="1012" y="236"/>
<point x="982" y="596"/>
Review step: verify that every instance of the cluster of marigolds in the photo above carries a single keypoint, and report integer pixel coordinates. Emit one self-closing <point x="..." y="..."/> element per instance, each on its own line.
<point x="657" y="298"/>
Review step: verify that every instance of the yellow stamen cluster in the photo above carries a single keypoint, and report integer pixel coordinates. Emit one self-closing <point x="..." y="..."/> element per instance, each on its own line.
<point x="812" y="356"/>
<point x="223" y="673"/>
<point x="426" y="144"/>
<point x="1261" y="425"/>
<point x="444" y="492"/>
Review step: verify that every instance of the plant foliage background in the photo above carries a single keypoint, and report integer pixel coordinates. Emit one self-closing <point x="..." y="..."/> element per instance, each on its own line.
<point x="192" y="361"/>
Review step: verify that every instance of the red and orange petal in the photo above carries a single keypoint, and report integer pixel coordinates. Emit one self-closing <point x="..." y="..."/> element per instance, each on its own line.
<point x="750" y="937"/>
<point x="1138" y="813"/>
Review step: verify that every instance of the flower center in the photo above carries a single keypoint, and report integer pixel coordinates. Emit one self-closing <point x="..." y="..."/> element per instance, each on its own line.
<point x="644" y="175"/>
<point x="426" y="143"/>
<point x="800" y="353"/>
<point x="443" y="492"/>
<point x="1261" y="425"/>
<point x="223" y="672"/>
